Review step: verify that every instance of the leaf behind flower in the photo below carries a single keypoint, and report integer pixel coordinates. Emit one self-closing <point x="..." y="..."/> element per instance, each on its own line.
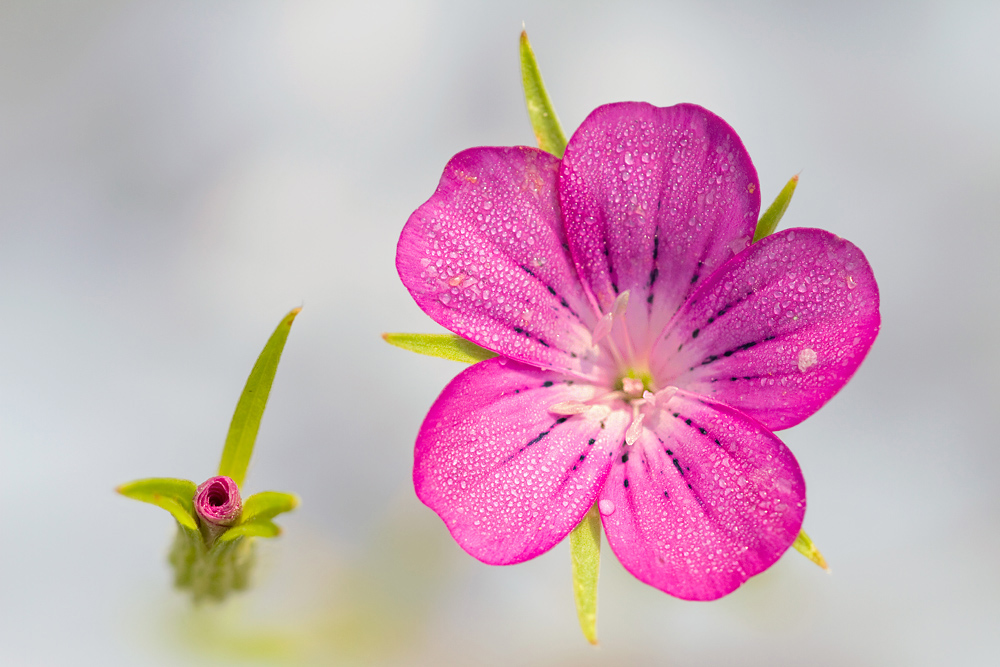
<point x="548" y="132"/>
<point x="445" y="346"/>
<point x="772" y="216"/>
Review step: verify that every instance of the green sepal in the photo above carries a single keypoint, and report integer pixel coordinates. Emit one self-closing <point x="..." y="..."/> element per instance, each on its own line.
<point x="548" y="133"/>
<point x="804" y="545"/>
<point x="258" y="527"/>
<point x="258" y="510"/>
<point x="445" y="346"/>
<point x="174" y="495"/>
<point x="267" y="505"/>
<point x="211" y="571"/>
<point x="585" y="552"/>
<point x="772" y="216"/>
<point x="250" y="408"/>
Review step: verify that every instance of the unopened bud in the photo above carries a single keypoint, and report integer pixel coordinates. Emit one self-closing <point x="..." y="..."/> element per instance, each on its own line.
<point x="219" y="506"/>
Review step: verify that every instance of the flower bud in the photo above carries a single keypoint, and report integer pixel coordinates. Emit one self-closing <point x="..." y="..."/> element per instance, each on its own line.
<point x="219" y="506"/>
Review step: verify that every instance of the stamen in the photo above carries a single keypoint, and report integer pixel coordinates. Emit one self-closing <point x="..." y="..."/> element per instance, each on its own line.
<point x="593" y="406"/>
<point x="635" y="428"/>
<point x="606" y="323"/>
<point x="603" y="328"/>
<point x="611" y="395"/>
<point x="569" y="408"/>
<point x="660" y="398"/>
<point x="621" y="304"/>
<point x="599" y="412"/>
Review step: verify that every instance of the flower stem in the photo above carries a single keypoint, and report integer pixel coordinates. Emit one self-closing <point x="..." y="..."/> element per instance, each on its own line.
<point x="585" y="551"/>
<point x="210" y="571"/>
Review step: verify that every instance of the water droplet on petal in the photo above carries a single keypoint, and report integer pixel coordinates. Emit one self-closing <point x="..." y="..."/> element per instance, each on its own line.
<point x="607" y="507"/>
<point x="807" y="359"/>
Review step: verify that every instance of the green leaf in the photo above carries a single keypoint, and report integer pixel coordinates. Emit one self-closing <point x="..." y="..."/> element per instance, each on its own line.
<point x="174" y="495"/>
<point x="258" y="527"/>
<point x="769" y="221"/>
<point x="249" y="410"/>
<point x="543" y="117"/>
<point x="267" y="505"/>
<point x="805" y="546"/>
<point x="446" y="346"/>
<point x="585" y="551"/>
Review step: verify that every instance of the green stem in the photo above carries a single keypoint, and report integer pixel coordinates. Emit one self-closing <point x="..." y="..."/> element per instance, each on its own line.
<point x="210" y="571"/>
<point x="585" y="551"/>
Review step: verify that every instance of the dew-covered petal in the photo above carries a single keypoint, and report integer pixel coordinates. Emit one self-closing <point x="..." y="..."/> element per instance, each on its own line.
<point x="509" y="478"/>
<point x="486" y="257"/>
<point x="778" y="330"/>
<point x="705" y="499"/>
<point x="654" y="199"/>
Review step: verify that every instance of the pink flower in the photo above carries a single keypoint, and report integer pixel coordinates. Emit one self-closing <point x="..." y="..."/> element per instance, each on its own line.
<point x="648" y="350"/>
<point x="218" y="505"/>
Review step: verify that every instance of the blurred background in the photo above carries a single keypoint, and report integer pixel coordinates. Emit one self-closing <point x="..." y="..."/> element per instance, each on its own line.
<point x="176" y="176"/>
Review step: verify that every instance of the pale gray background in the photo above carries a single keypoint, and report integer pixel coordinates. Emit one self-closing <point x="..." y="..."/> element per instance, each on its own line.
<point x="175" y="176"/>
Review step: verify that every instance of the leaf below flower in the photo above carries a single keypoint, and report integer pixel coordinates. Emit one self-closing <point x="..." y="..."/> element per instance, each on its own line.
<point x="174" y="495"/>
<point x="267" y="505"/>
<point x="805" y="546"/>
<point x="257" y="527"/>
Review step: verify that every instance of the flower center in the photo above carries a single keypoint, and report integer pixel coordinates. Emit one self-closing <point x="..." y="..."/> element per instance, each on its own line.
<point x="633" y="383"/>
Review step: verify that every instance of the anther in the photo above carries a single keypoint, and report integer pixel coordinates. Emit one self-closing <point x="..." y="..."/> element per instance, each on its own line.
<point x="635" y="428"/>
<point x="569" y="408"/>
<point x="660" y="398"/>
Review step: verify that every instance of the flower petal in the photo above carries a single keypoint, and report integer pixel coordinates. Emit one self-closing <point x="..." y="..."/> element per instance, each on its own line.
<point x="655" y="199"/>
<point x="705" y="500"/>
<point x="778" y="330"/>
<point x="486" y="257"/>
<point x="509" y="478"/>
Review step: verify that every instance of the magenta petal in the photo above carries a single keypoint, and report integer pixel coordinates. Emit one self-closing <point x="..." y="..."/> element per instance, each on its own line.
<point x="706" y="499"/>
<point x="510" y="479"/>
<point x="486" y="257"/>
<point x="654" y="200"/>
<point x="778" y="330"/>
<point x="217" y="500"/>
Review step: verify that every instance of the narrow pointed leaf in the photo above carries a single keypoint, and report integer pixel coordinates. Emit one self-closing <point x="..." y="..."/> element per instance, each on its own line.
<point x="585" y="551"/>
<point x="246" y="419"/>
<point x="543" y="117"/>
<point x="769" y="221"/>
<point x="445" y="346"/>
<point x="267" y="505"/>
<point x="805" y="546"/>
<point x="259" y="527"/>
<point x="174" y="495"/>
